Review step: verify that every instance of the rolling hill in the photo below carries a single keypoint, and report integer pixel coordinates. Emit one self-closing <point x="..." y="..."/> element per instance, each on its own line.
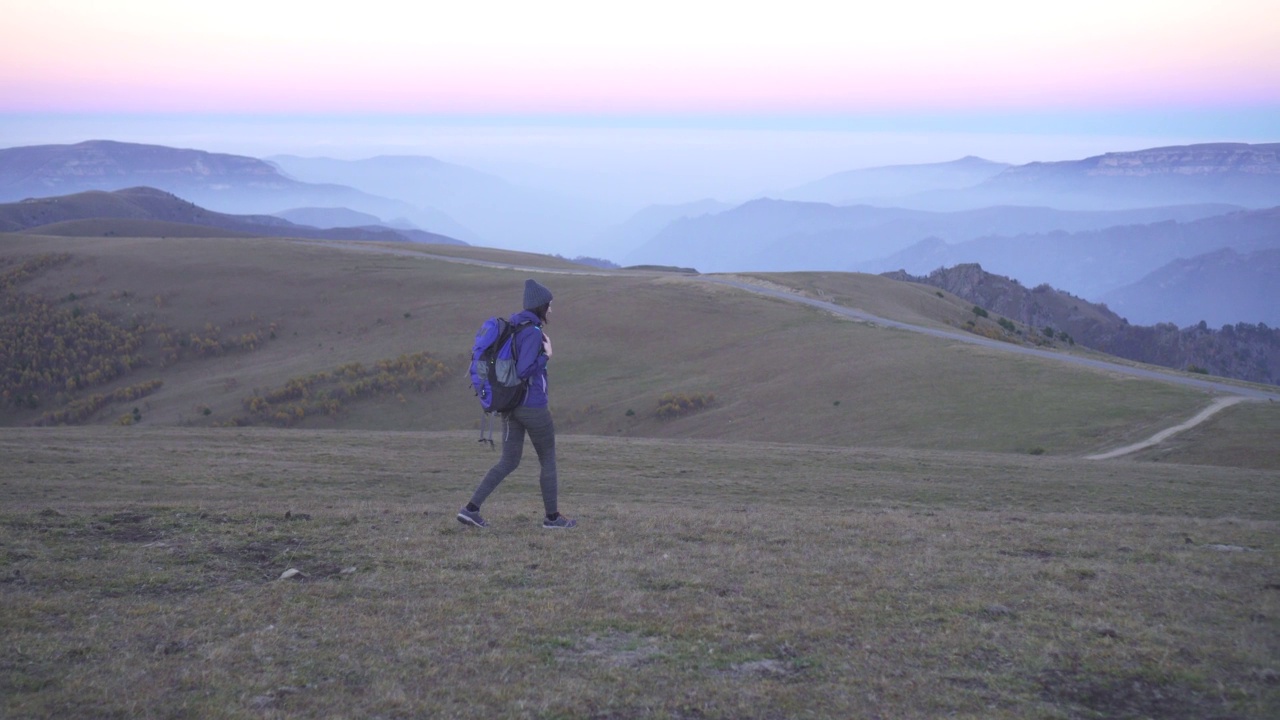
<point x="148" y="212"/>
<point x="222" y="322"/>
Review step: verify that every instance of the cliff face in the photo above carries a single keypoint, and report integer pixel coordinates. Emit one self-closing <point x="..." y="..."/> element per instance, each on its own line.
<point x="1241" y="351"/>
<point x="1236" y="173"/>
<point x="1216" y="159"/>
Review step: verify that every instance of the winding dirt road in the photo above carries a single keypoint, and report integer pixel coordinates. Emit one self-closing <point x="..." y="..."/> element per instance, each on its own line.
<point x="1219" y="404"/>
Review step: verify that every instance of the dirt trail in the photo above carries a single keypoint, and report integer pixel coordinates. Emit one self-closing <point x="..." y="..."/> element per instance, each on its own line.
<point x="1205" y="414"/>
<point x="1245" y="391"/>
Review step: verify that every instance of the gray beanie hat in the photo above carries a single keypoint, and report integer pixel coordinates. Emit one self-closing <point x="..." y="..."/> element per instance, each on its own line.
<point x="535" y="295"/>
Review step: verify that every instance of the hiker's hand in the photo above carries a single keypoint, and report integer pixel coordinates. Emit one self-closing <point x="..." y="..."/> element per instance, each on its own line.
<point x="546" y="344"/>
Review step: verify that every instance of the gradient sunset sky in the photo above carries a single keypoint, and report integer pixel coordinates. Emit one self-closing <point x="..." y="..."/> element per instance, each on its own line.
<point x="1011" y="80"/>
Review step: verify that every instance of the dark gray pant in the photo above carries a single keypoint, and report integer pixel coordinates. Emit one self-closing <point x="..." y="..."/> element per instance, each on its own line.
<point x="537" y="421"/>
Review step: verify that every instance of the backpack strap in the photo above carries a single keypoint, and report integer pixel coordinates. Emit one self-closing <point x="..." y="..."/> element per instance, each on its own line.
<point x="486" y="423"/>
<point x="515" y="346"/>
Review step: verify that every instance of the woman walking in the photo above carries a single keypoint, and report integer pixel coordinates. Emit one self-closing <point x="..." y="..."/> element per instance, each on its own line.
<point x="532" y="351"/>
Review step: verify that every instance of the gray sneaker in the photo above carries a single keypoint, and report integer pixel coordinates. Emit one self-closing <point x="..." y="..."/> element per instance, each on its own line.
<point x="560" y="523"/>
<point x="466" y="517"/>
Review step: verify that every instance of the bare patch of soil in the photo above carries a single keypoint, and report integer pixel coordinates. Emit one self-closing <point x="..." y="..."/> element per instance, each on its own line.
<point x="615" y="649"/>
<point x="1086" y="695"/>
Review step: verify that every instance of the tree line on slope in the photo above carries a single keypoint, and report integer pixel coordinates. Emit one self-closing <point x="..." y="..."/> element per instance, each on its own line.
<point x="1242" y="351"/>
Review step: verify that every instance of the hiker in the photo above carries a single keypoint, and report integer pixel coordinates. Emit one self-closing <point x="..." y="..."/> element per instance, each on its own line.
<point x="532" y="350"/>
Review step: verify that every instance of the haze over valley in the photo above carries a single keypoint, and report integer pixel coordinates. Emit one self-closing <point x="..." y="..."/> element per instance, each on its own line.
<point x="1163" y="235"/>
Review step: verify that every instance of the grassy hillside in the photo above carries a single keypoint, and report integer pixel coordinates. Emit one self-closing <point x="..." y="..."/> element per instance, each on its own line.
<point x="130" y="227"/>
<point x="148" y="212"/>
<point x="776" y="371"/>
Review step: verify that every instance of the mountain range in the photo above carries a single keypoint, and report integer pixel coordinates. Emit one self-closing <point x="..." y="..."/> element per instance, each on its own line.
<point x="1215" y="173"/>
<point x="1096" y="263"/>
<point x="787" y="235"/>
<point x="220" y="182"/>
<point x="1234" y="173"/>
<point x="1221" y="287"/>
<point x="1092" y="226"/>
<point x="896" y="184"/>
<point x="815" y="227"/>
<point x="486" y="208"/>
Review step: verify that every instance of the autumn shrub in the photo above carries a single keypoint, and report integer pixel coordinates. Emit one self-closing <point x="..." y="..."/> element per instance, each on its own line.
<point x="672" y="405"/>
<point x="209" y="342"/>
<point x="84" y="409"/>
<point x="323" y="393"/>
<point x="47" y="349"/>
<point x="989" y="332"/>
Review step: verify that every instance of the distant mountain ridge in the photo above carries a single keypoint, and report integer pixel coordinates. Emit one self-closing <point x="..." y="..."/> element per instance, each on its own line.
<point x="328" y="217"/>
<point x="97" y="164"/>
<point x="1235" y="173"/>
<point x="1090" y="226"/>
<point x="619" y="240"/>
<point x="221" y="182"/>
<point x="492" y="210"/>
<point x="69" y="215"/>
<point x="781" y="235"/>
<point x="1243" y="351"/>
<point x="1092" y="263"/>
<point x="1219" y="160"/>
<point x="1220" y="288"/>
<point x="1186" y="182"/>
<point x="879" y="185"/>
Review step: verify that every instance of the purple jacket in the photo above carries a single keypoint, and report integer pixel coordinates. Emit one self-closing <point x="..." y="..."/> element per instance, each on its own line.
<point x="531" y="363"/>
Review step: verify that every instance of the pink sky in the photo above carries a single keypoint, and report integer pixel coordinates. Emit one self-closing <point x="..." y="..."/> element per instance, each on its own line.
<point x="659" y="57"/>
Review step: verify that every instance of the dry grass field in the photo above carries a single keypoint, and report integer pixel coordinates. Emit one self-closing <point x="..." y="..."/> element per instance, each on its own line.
<point x="864" y="523"/>
<point x="141" y="578"/>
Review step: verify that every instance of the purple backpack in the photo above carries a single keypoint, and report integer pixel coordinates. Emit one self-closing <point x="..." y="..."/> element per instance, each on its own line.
<point x="493" y="367"/>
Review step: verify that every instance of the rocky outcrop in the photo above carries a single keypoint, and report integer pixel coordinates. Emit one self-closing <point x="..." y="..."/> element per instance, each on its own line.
<point x="1213" y="159"/>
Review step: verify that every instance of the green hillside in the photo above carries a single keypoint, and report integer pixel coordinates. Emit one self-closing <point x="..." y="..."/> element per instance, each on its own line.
<point x="769" y="370"/>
